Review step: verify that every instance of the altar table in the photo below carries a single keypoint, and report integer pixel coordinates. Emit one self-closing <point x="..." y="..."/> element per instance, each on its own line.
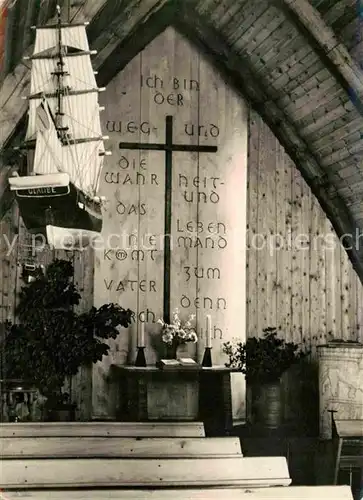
<point x="148" y="393"/>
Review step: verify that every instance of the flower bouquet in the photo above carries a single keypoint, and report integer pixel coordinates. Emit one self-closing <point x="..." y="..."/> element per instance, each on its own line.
<point x="177" y="333"/>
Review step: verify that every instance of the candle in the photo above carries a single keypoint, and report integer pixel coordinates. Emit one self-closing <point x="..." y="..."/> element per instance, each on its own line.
<point x="141" y="340"/>
<point x="208" y="342"/>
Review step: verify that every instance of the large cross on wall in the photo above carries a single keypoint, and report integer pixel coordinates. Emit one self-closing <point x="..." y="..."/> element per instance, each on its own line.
<point x="178" y="134"/>
<point x="168" y="147"/>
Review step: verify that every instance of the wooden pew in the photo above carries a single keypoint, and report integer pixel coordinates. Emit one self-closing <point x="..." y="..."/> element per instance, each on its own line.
<point x="349" y="434"/>
<point x="103" y="429"/>
<point x="148" y="473"/>
<point x="276" y="493"/>
<point x="115" y="447"/>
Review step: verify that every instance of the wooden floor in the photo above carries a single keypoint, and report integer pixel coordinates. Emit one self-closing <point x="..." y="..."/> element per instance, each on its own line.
<point x="311" y="461"/>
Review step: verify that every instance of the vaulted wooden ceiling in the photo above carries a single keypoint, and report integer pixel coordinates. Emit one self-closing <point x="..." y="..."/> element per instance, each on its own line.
<point x="296" y="61"/>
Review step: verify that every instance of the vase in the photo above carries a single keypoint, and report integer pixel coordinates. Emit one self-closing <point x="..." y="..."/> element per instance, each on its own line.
<point x="171" y="350"/>
<point x="178" y="350"/>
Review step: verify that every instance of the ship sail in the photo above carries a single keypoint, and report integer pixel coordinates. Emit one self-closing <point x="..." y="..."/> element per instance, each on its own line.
<point x="71" y="36"/>
<point x="64" y="124"/>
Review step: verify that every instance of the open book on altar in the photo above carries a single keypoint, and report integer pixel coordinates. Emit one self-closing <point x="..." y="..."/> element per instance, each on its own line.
<point x="177" y="364"/>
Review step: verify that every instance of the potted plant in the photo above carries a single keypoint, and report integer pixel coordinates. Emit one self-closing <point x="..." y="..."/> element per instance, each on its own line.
<point x="51" y="341"/>
<point x="177" y="333"/>
<point x="263" y="360"/>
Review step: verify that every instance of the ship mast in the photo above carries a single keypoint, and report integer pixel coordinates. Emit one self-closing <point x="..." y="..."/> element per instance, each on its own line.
<point x="60" y="73"/>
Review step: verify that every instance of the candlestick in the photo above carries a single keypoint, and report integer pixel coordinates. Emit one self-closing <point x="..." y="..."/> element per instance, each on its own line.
<point x="208" y="342"/>
<point x="141" y="339"/>
<point x="140" y="357"/>
<point x="207" y="358"/>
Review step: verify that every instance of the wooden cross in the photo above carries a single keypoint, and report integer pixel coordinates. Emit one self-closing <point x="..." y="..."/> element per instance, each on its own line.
<point x="168" y="147"/>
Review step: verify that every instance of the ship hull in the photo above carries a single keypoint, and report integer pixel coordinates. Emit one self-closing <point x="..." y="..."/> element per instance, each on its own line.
<point x="43" y="210"/>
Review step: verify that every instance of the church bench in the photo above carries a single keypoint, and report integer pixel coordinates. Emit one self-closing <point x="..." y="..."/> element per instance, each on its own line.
<point x="276" y="493"/>
<point x="147" y="473"/>
<point x="103" y="429"/>
<point x="90" y="447"/>
<point x="349" y="434"/>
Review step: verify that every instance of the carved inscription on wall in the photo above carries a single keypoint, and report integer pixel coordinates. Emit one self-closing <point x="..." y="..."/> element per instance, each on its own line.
<point x="203" y="205"/>
<point x="210" y="235"/>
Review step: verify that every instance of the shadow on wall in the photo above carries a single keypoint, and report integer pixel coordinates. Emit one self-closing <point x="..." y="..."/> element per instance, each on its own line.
<point x="301" y="389"/>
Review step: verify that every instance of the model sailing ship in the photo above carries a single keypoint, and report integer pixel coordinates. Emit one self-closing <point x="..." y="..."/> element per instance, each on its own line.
<point x="57" y="194"/>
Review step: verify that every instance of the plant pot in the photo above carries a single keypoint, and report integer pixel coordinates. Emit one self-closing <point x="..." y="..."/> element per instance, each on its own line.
<point x="62" y="413"/>
<point x="176" y="351"/>
<point x="267" y="405"/>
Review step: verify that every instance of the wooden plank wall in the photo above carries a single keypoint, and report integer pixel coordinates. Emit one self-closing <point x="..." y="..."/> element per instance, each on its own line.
<point x="307" y="287"/>
<point x="16" y="248"/>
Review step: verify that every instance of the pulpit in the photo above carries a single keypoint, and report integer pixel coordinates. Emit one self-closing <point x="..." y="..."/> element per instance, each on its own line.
<point x="340" y="383"/>
<point x="148" y="393"/>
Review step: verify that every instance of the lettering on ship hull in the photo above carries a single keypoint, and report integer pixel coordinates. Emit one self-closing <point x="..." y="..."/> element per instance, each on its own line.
<point x="43" y="192"/>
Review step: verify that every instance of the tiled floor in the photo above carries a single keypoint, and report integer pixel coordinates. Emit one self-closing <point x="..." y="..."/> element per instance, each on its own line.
<point x="311" y="461"/>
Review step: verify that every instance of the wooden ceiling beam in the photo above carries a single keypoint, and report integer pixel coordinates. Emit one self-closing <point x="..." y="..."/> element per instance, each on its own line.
<point x="239" y="73"/>
<point x="328" y="47"/>
<point x="136" y="39"/>
<point x="6" y="196"/>
<point x="136" y="26"/>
